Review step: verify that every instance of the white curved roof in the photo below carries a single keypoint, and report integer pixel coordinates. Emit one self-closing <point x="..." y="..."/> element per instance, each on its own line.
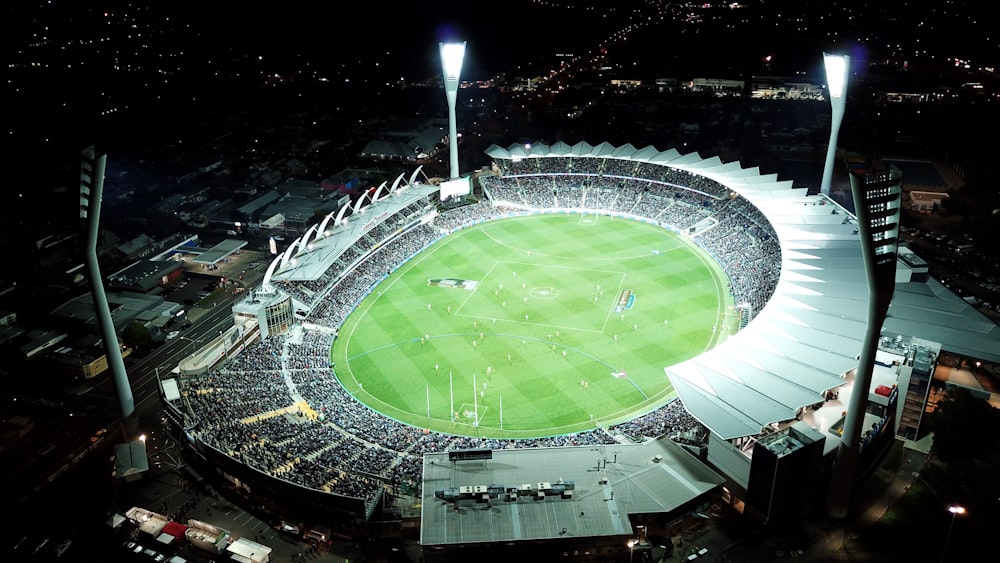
<point x="810" y="331"/>
<point x="313" y="260"/>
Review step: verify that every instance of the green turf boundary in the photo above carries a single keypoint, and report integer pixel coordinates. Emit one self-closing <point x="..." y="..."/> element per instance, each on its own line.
<point x="546" y="326"/>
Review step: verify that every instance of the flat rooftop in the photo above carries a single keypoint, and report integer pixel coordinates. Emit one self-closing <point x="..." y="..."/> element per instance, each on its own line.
<point x="609" y="483"/>
<point x="219" y="252"/>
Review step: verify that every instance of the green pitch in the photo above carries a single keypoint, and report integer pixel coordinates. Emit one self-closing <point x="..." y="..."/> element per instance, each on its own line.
<point x="534" y="326"/>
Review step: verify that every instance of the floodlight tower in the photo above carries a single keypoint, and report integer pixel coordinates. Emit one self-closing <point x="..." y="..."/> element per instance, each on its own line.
<point x="452" y="55"/>
<point x="837" y="68"/>
<point x="877" y="195"/>
<point x="91" y="193"/>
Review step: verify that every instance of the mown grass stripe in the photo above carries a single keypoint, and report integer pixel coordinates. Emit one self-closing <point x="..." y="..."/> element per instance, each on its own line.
<point x="554" y="368"/>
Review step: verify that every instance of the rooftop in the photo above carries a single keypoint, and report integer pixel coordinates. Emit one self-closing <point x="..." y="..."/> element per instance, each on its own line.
<point x="609" y="483"/>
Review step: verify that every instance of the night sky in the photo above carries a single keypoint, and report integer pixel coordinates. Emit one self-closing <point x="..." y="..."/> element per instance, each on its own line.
<point x="119" y="72"/>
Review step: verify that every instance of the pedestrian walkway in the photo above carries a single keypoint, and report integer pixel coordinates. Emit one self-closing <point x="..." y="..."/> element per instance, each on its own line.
<point x="915" y="455"/>
<point x="728" y="536"/>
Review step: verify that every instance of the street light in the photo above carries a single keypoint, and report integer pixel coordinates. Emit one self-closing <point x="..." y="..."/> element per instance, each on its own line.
<point x="225" y="345"/>
<point x="955" y="510"/>
<point x="158" y="368"/>
<point x="631" y="549"/>
<point x="837" y="68"/>
<point x="191" y="340"/>
<point x="159" y="384"/>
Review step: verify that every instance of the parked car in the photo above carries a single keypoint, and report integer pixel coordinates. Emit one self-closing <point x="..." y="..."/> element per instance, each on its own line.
<point x="133" y="547"/>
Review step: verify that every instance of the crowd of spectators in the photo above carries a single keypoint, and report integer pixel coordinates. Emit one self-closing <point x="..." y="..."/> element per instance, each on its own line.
<point x="466" y="215"/>
<point x="279" y="407"/>
<point x="611" y="166"/>
<point x="748" y="251"/>
<point x="671" y="420"/>
<point x="727" y="226"/>
<point x="309" y="292"/>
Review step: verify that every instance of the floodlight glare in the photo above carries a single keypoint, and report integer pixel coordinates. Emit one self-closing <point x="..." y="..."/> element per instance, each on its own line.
<point x="452" y="55"/>
<point x="836" y="74"/>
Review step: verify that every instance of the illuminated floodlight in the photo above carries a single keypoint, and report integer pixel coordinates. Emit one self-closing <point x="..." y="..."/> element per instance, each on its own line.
<point x="837" y="68"/>
<point x="836" y="74"/>
<point x="452" y="55"/>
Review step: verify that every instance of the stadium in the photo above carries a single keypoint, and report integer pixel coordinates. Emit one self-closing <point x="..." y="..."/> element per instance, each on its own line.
<point x="371" y="366"/>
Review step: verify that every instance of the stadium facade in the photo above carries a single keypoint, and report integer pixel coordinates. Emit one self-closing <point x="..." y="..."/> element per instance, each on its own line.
<point x="796" y="270"/>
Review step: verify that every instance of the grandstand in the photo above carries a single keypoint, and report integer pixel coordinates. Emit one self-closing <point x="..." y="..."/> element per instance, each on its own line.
<point x="277" y="416"/>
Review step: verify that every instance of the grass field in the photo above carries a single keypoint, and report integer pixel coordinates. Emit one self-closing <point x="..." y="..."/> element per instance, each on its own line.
<point x="533" y="326"/>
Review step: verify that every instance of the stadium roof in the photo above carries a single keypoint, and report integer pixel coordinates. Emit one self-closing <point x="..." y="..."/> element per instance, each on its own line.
<point x="810" y="332"/>
<point x="652" y="478"/>
<point x="323" y="245"/>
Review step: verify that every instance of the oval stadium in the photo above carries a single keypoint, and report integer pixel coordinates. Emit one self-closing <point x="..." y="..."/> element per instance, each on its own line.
<point x="601" y="324"/>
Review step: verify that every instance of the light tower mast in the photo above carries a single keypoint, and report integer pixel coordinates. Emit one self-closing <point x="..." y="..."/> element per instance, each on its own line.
<point x="837" y="69"/>
<point x="452" y="55"/>
<point x="877" y="197"/>
<point x="91" y="193"/>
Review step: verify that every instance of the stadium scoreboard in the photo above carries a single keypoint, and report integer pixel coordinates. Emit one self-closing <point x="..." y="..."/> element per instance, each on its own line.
<point x="470" y="455"/>
<point x="456" y="188"/>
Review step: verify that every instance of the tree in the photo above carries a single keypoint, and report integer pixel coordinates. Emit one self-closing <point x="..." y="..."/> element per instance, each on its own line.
<point x="137" y="336"/>
<point x="956" y="203"/>
<point x="965" y="427"/>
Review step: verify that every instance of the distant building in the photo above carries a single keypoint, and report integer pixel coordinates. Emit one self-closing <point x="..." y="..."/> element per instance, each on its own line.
<point x="784" y="88"/>
<point x="7" y="318"/>
<point x="626" y="83"/>
<point x="718" y="86"/>
<point x="265" y="178"/>
<point x="144" y="276"/>
<point x="408" y="141"/>
<point x="926" y="202"/>
<point x="667" y="84"/>
<point x="154" y="312"/>
<point x="351" y="181"/>
<point x="300" y="203"/>
<point x="41" y="340"/>
<point x="10" y="329"/>
<point x="305" y="189"/>
<point x="343" y="182"/>
<point x="213" y="210"/>
<point x="251" y="211"/>
<point x="83" y="358"/>
<point x="170" y="206"/>
<point x="295" y="167"/>
<point x="134" y="248"/>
